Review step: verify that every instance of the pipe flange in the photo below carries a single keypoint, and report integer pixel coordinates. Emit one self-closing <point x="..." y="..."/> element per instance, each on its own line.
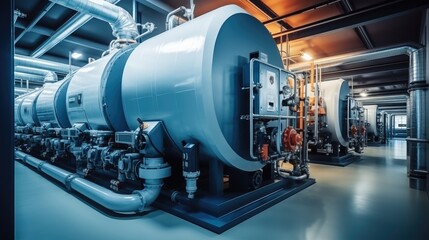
<point x="68" y="179"/>
<point x="154" y="173"/>
<point x="142" y="201"/>
<point x="40" y="165"/>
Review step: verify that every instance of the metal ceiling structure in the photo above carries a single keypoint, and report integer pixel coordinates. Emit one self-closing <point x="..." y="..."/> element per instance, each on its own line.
<point x="322" y="28"/>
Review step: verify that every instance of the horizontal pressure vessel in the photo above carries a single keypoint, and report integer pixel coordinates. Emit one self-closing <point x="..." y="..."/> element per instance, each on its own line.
<point x="28" y="108"/>
<point x="94" y="93"/>
<point x="191" y="77"/>
<point x="335" y="94"/>
<point x="51" y="104"/>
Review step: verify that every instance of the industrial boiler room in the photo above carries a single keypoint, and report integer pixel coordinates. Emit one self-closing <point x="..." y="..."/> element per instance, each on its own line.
<point x="226" y="119"/>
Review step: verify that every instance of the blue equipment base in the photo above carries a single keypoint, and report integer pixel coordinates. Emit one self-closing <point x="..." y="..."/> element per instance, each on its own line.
<point x="220" y="213"/>
<point x="340" y="161"/>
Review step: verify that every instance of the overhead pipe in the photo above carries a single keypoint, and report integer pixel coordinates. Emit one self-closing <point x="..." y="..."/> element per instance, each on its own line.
<point x="29" y="77"/>
<point x="21" y="60"/>
<point x="121" y="203"/>
<point x="73" y="24"/>
<point x="49" y="76"/>
<point x="123" y="25"/>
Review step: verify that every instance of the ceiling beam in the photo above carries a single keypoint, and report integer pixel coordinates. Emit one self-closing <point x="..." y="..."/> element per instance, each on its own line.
<point x="70" y="39"/>
<point x="360" y="30"/>
<point x="269" y="12"/>
<point x="381" y="83"/>
<point x="69" y="27"/>
<point x="368" y="15"/>
<point x="35" y="21"/>
<point x="380" y="68"/>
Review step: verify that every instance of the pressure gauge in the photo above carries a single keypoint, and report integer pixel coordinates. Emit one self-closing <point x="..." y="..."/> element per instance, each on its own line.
<point x="287" y="92"/>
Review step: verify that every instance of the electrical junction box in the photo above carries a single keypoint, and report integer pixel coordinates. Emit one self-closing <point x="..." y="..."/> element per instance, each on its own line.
<point x="270" y="82"/>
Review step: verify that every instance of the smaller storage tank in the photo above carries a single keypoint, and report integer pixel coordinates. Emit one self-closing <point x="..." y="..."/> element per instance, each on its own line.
<point x="371" y="119"/>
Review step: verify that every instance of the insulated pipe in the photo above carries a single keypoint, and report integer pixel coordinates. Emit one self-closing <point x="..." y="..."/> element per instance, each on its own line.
<point x="360" y="56"/>
<point x="49" y="76"/>
<point x="21" y="60"/>
<point x="29" y="77"/>
<point x="74" y="23"/>
<point x="122" y="23"/>
<point x="122" y="203"/>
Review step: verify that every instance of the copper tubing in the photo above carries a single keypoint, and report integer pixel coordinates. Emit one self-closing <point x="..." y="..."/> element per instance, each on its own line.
<point x="301" y="104"/>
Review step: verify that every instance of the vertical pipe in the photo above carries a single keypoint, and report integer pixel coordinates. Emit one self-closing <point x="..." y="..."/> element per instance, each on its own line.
<point x="301" y="104"/>
<point x="417" y="141"/>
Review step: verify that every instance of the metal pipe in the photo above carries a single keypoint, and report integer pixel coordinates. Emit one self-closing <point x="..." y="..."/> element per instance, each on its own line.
<point x="49" y="76"/>
<point x="286" y="174"/>
<point x="74" y="23"/>
<point x="21" y="60"/>
<point x="29" y="77"/>
<point x="172" y="19"/>
<point x="122" y="203"/>
<point x="123" y="25"/>
<point x="360" y="56"/>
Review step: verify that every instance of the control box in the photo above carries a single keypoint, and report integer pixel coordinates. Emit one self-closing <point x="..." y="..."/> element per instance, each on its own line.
<point x="270" y="83"/>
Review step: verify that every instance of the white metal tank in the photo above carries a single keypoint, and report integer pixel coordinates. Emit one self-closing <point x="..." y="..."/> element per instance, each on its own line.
<point x="335" y="95"/>
<point x="51" y="104"/>
<point x="191" y="77"/>
<point x="18" y="119"/>
<point x="28" y="108"/>
<point x="94" y="93"/>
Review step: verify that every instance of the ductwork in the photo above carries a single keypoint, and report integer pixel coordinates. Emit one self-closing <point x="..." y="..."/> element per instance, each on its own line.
<point x="122" y="23"/>
<point x="122" y="203"/>
<point x="48" y="76"/>
<point x="417" y="112"/>
<point x="74" y="23"/>
<point x="21" y="60"/>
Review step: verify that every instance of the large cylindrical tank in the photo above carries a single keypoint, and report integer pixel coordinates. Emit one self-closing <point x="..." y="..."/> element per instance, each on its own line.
<point x="371" y="118"/>
<point x="51" y="104"/>
<point x="335" y="95"/>
<point x="191" y="77"/>
<point x="94" y="93"/>
<point x="18" y="103"/>
<point x="28" y="109"/>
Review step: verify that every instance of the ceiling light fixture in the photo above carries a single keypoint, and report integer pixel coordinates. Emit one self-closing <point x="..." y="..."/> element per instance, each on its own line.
<point x="363" y="94"/>
<point x="76" y="55"/>
<point x="306" y="56"/>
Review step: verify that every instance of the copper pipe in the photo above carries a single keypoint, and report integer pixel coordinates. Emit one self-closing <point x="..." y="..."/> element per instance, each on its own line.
<point x="301" y="104"/>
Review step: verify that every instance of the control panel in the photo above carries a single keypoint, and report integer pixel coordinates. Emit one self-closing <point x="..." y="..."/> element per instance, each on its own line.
<point x="272" y="87"/>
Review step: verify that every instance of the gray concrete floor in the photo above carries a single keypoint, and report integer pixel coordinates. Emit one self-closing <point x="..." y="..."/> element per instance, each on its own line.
<point x="368" y="199"/>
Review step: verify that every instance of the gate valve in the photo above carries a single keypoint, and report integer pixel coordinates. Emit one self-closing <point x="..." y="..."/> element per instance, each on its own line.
<point x="291" y="140"/>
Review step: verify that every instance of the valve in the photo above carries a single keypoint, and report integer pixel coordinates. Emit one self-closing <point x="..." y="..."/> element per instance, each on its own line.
<point x="291" y="140"/>
<point x="353" y="130"/>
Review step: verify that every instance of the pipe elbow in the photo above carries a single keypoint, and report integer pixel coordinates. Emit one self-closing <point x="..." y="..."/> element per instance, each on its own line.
<point x="124" y="27"/>
<point x="148" y="195"/>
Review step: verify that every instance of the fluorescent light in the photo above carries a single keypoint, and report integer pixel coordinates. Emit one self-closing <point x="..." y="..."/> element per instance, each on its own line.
<point x="363" y="94"/>
<point x="306" y="56"/>
<point x="76" y="55"/>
